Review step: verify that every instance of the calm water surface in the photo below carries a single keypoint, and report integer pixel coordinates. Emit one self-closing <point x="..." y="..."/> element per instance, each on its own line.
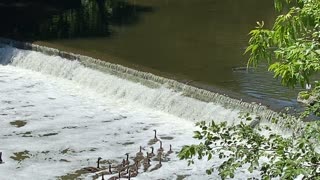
<point x="194" y="41"/>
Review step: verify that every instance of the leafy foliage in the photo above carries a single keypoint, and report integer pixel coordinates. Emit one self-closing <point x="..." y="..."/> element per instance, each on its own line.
<point x="272" y="155"/>
<point x="292" y="45"/>
<point x="292" y="49"/>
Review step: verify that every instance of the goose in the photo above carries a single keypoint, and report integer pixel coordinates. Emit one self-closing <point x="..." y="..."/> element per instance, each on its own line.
<point x="170" y="150"/>
<point x="94" y="169"/>
<point x="116" y="177"/>
<point x="102" y="178"/>
<point x="135" y="167"/>
<point x="140" y="153"/>
<point x="110" y="171"/>
<point x="1" y="158"/>
<point x="152" y="152"/>
<point x="160" y="150"/>
<point x="155" y="134"/>
<point x="105" y="172"/>
<point x="121" y="166"/>
<point x="167" y="154"/>
<point x="139" y="156"/>
<point x="134" y="173"/>
<point x="155" y="139"/>
<point x="124" y="174"/>
<point x="146" y="164"/>
<point x="137" y="162"/>
<point x="131" y="174"/>
<point x="126" y="162"/>
<point x="158" y="165"/>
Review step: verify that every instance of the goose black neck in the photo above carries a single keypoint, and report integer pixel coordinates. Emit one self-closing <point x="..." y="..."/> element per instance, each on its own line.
<point x="98" y="163"/>
<point x="155" y="134"/>
<point x="129" y="176"/>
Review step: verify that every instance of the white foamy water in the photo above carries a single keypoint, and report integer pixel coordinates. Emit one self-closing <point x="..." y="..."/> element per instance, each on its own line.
<point x="68" y="127"/>
<point x="112" y="87"/>
<point x="74" y="115"/>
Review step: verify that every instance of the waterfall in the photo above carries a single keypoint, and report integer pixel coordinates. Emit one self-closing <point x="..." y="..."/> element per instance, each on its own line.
<point x="122" y="83"/>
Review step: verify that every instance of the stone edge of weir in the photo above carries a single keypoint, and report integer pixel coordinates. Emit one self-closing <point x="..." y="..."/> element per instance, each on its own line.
<point x="152" y="81"/>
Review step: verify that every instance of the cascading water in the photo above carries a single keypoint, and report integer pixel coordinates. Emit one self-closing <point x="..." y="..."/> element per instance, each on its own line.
<point x="145" y="88"/>
<point x="160" y="98"/>
<point x="72" y="108"/>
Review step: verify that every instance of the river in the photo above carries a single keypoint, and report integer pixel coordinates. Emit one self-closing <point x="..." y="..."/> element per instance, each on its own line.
<point x="192" y="41"/>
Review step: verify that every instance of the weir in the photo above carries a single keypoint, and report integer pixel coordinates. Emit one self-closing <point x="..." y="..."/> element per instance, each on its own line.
<point x="144" y="88"/>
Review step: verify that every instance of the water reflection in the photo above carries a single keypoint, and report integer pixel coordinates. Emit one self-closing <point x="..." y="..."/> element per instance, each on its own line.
<point x="269" y="91"/>
<point x="194" y="41"/>
<point x="49" y="19"/>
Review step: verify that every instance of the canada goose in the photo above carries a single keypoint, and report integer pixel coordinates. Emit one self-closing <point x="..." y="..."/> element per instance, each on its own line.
<point x="105" y="172"/>
<point x="135" y="166"/>
<point x="158" y="165"/>
<point x="140" y="153"/>
<point x="139" y="156"/>
<point x="125" y="173"/>
<point x="129" y="176"/>
<point x="146" y="164"/>
<point x="152" y="152"/>
<point x="170" y="150"/>
<point x="137" y="162"/>
<point x="110" y="171"/>
<point x="167" y="154"/>
<point x="160" y="150"/>
<point x="126" y="162"/>
<point x="132" y="174"/>
<point x="155" y="139"/>
<point x="94" y="169"/>
<point x="121" y="166"/>
<point x="155" y="134"/>
<point x="102" y="178"/>
<point x="116" y="177"/>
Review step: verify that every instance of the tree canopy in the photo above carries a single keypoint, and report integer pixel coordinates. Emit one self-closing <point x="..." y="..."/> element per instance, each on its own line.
<point x="291" y="47"/>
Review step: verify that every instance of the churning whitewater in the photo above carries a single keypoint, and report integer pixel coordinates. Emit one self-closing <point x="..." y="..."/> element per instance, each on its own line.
<point x="58" y="116"/>
<point x="112" y="87"/>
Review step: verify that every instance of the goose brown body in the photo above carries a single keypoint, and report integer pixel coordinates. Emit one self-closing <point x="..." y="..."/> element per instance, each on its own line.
<point x="94" y="169"/>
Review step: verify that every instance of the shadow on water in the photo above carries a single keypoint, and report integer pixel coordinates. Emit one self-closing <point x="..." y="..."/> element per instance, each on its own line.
<point x="35" y="20"/>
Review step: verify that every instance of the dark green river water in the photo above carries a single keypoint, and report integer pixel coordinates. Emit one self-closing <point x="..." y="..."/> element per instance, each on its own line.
<point x="199" y="42"/>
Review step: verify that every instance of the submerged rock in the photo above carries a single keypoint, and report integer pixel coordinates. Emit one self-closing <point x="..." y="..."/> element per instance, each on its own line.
<point x="307" y="97"/>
